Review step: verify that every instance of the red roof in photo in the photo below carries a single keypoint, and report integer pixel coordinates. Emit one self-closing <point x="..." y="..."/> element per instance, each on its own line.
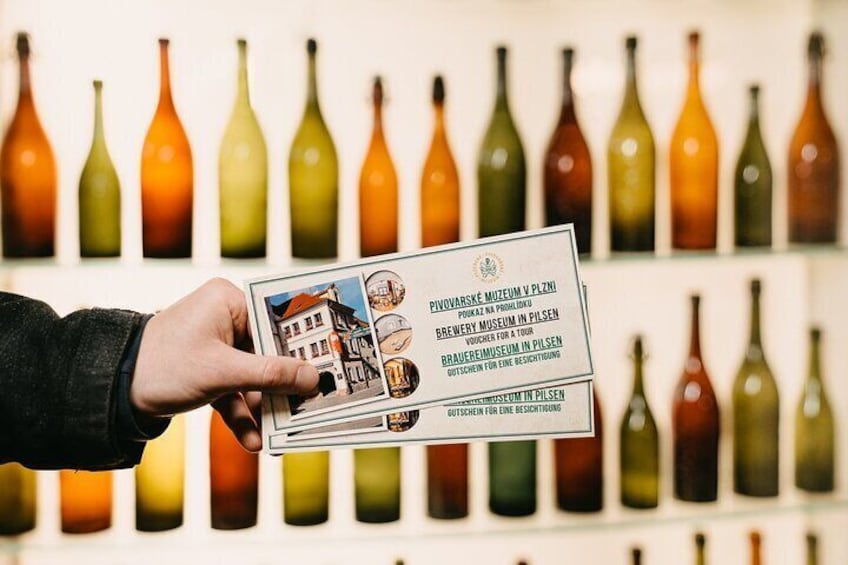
<point x="300" y="303"/>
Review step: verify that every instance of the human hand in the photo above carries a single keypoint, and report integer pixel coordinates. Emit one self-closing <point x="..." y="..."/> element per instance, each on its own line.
<point x="197" y="352"/>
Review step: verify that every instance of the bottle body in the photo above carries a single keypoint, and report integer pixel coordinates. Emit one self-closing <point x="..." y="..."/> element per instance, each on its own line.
<point x="99" y="194"/>
<point x="167" y="177"/>
<point x="233" y="479"/>
<point x="512" y="478"/>
<point x="693" y="162"/>
<point x="579" y="468"/>
<point x="631" y="163"/>
<point x="378" y="191"/>
<point x="306" y="488"/>
<point x="160" y="479"/>
<point x="814" y="429"/>
<point x="17" y="499"/>
<point x="313" y="179"/>
<point x="813" y="164"/>
<point x="447" y="481"/>
<point x="753" y="186"/>
<point x="28" y="178"/>
<point x="243" y="176"/>
<point x="377" y="484"/>
<point x="86" y="501"/>
<point x="568" y="170"/>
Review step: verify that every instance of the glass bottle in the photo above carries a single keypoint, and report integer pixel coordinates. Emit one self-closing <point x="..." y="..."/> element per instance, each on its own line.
<point x="814" y="428"/>
<point x="233" y="479"/>
<point x="376" y="478"/>
<point x="813" y="169"/>
<point x="99" y="194"/>
<point x="86" y="501"/>
<point x="812" y="549"/>
<point x="695" y="425"/>
<point x="512" y="478"/>
<point x="756" y="543"/>
<point x="756" y="416"/>
<point x="159" y="481"/>
<point x="313" y="178"/>
<point x="693" y="161"/>
<point x="167" y="176"/>
<point x="17" y="499"/>
<point x="700" y="549"/>
<point x="439" y="181"/>
<point x="579" y="468"/>
<point x="753" y="184"/>
<point x="501" y="168"/>
<point x="568" y="169"/>
<point x="243" y="175"/>
<point x="636" y="554"/>
<point x="378" y="190"/>
<point x="631" y="162"/>
<point x="306" y="488"/>
<point x="639" y="444"/>
<point x="27" y="174"/>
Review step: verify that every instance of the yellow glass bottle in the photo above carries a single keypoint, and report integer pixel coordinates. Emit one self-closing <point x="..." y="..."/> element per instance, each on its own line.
<point x="159" y="481"/>
<point x="17" y="499"/>
<point x="306" y="488"/>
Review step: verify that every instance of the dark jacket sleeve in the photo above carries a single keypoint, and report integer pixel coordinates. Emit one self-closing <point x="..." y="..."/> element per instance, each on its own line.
<point x="59" y="381"/>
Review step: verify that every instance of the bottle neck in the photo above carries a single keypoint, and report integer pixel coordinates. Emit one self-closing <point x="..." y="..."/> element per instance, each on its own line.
<point x="567" y="108"/>
<point x="501" y="101"/>
<point x="638" y="385"/>
<point x="24" y="84"/>
<point x="695" y="332"/>
<point x="754" y="112"/>
<point x="814" y="81"/>
<point x="755" y="346"/>
<point x="377" y="133"/>
<point x="631" y="92"/>
<point x="815" y="361"/>
<point x="694" y="87"/>
<point x="311" y="84"/>
<point x="243" y="93"/>
<point x="98" y="115"/>
<point x="164" y="77"/>
<point x="439" y="120"/>
<point x="812" y="554"/>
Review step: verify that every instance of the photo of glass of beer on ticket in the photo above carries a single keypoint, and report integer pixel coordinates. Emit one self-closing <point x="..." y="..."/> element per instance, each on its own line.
<point x="484" y="340"/>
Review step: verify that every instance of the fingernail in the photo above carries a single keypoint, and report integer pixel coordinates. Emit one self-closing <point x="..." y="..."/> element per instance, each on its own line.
<point x="307" y="377"/>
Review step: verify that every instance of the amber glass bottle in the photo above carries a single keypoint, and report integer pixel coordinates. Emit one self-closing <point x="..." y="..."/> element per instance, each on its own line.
<point x="756" y="543"/>
<point x="693" y="161"/>
<point x="579" y="468"/>
<point x="167" y="176"/>
<point x="813" y="169"/>
<point x="27" y="175"/>
<point x="439" y="181"/>
<point x="86" y="501"/>
<point x="568" y="169"/>
<point x="233" y="479"/>
<point x="695" y="425"/>
<point x="378" y="190"/>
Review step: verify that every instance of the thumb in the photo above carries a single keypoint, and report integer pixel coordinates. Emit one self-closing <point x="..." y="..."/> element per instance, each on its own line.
<point x="240" y="371"/>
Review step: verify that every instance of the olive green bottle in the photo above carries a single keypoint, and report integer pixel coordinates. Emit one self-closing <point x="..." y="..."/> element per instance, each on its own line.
<point x="17" y="499"/>
<point x="756" y="416"/>
<point x="376" y="478"/>
<point x="814" y="429"/>
<point x="812" y="549"/>
<point x="700" y="549"/>
<point x="306" y="488"/>
<point x="501" y="169"/>
<point x="243" y="176"/>
<point x="512" y="478"/>
<point x="753" y="184"/>
<point x="639" y="444"/>
<point x="99" y="194"/>
<point x="631" y="163"/>
<point x="313" y="178"/>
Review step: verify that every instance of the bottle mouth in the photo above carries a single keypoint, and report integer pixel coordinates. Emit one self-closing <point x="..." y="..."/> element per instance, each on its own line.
<point x="241" y="42"/>
<point x="98" y="84"/>
<point x="815" y="47"/>
<point x="630" y="42"/>
<point x="377" y="93"/>
<point x="164" y="42"/>
<point x="22" y="43"/>
<point x="311" y="46"/>
<point x="438" y="90"/>
<point x="501" y="52"/>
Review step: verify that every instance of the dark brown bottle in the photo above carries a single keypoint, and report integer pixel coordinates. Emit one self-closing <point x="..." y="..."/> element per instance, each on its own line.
<point x="447" y="481"/>
<point x="695" y="425"/>
<point x="813" y="169"/>
<point x="579" y="466"/>
<point x="27" y="175"/>
<point x="568" y="169"/>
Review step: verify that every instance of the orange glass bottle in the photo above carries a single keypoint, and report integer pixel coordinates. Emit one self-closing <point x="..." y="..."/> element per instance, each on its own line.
<point x="695" y="424"/>
<point x="86" y="501"/>
<point x="579" y="467"/>
<point x="813" y="168"/>
<point x="693" y="161"/>
<point x="27" y="175"/>
<point x="378" y="190"/>
<point x="233" y="479"/>
<point x="167" y="176"/>
<point x="568" y="169"/>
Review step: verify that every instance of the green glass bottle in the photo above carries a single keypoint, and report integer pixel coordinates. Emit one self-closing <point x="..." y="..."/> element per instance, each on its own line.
<point x="501" y="168"/>
<point x="512" y="478"/>
<point x="313" y="178"/>
<point x="639" y="444"/>
<point x="306" y="488"/>
<point x="814" y="429"/>
<point x="99" y="194"/>
<point x="631" y="162"/>
<point x="812" y="549"/>
<point x="756" y="416"/>
<point x="243" y="176"/>
<point x="753" y="184"/>
<point x="17" y="499"/>
<point x="376" y="478"/>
